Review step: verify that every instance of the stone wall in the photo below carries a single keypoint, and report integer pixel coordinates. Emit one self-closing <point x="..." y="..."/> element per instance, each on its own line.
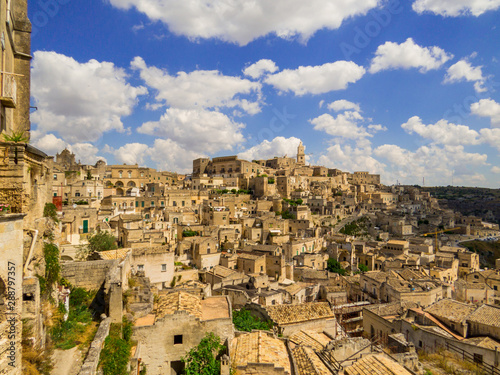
<point x="11" y="282"/>
<point x="89" y="275"/>
<point x="89" y="366"/>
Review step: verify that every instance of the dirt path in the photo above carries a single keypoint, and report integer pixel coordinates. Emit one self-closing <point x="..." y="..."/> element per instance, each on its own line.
<point x="66" y="362"/>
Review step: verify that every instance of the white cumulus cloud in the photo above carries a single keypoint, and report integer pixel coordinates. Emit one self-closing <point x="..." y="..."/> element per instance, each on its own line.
<point x="279" y="146"/>
<point x="259" y="68"/>
<point x="454" y="8"/>
<point x="196" y="129"/>
<point x="171" y="156"/>
<point x="349" y="124"/>
<point x="408" y="55"/>
<point x="132" y="153"/>
<point x="442" y="132"/>
<point x="491" y="137"/>
<point x="242" y="21"/>
<point x="345" y="125"/>
<point x="351" y="159"/>
<point x="434" y="163"/>
<point x="80" y="101"/>
<point x="464" y="71"/>
<point x="200" y="88"/>
<point x="340" y="105"/>
<point x="317" y="79"/>
<point x="487" y="108"/>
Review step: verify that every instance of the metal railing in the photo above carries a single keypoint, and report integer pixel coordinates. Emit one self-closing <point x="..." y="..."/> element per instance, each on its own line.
<point x="477" y="360"/>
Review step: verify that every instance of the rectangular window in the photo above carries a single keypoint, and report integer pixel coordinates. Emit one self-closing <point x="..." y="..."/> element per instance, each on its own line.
<point x="163" y="268"/>
<point x="55" y="177"/>
<point x="142" y="204"/>
<point x="177" y="339"/>
<point x="152" y="203"/>
<point x="137" y="203"/>
<point x="140" y="267"/>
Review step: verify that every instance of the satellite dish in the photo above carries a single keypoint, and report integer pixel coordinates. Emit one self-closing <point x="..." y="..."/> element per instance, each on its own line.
<point x="74" y="205"/>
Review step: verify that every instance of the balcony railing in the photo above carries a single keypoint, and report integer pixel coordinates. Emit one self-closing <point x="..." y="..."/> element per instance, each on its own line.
<point x="9" y="90"/>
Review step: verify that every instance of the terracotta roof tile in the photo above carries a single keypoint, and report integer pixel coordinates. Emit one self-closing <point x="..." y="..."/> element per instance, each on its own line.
<point x="315" y="340"/>
<point x="259" y="347"/>
<point x="376" y="365"/>
<point x="487" y="315"/>
<point x="289" y="314"/>
<point x="308" y="363"/>
<point x="178" y="301"/>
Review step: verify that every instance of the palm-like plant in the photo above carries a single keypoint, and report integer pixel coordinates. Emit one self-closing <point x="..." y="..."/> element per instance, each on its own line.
<point x="16" y="137"/>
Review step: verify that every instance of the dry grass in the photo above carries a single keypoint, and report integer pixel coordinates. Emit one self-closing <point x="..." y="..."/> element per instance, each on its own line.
<point x="450" y="363"/>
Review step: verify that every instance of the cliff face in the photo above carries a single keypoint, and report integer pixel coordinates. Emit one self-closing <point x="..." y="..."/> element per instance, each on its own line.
<point x="480" y="202"/>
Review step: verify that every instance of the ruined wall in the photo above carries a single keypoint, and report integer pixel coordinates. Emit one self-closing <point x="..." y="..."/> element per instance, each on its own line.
<point x="89" y="275"/>
<point x="157" y="341"/>
<point x="89" y="366"/>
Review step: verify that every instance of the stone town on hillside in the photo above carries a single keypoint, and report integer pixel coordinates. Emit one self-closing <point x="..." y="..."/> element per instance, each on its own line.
<point x="335" y="261"/>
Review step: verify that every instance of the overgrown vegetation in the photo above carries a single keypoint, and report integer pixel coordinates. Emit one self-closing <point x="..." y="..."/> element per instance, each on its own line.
<point x="80" y="203"/>
<point x="204" y="358"/>
<point x="52" y="266"/>
<point x="50" y="210"/>
<point x="189" y="233"/>
<point x="356" y="228"/>
<point x="334" y="266"/>
<point x="34" y="361"/>
<point x="286" y="215"/>
<point x="243" y="320"/>
<point x="449" y="362"/>
<point x="116" y="352"/>
<point x="294" y="202"/>
<point x="78" y="327"/>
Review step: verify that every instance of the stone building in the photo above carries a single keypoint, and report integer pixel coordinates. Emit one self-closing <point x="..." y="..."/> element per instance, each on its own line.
<point x="25" y="182"/>
<point x="25" y="179"/>
<point x="181" y="321"/>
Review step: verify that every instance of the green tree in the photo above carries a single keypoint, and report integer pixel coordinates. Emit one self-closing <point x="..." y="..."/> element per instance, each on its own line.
<point x="243" y="320"/>
<point x="334" y="266"/>
<point x="202" y="359"/>
<point x="362" y="268"/>
<point x="101" y="241"/>
<point x="89" y="175"/>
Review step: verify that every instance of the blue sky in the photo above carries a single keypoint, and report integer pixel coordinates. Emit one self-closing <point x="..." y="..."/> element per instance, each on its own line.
<point x="409" y="90"/>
